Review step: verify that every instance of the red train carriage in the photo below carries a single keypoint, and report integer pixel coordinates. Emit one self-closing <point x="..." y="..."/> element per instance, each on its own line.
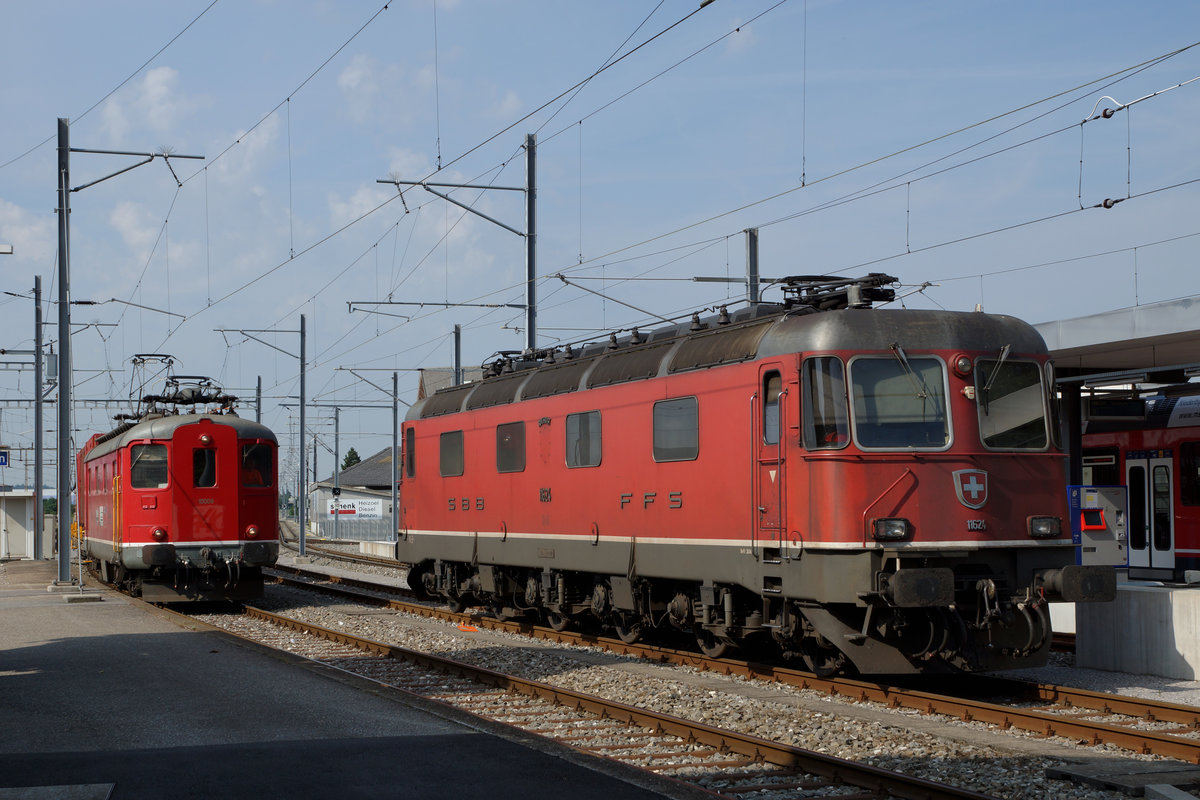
<point x="180" y="507"/>
<point x="876" y="490"/>
<point x="1152" y="446"/>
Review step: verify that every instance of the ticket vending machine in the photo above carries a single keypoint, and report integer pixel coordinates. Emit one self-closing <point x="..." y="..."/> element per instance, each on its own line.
<point x="1099" y="515"/>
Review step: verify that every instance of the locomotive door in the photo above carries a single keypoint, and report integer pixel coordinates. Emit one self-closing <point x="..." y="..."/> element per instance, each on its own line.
<point x="1149" y="475"/>
<point x="770" y="498"/>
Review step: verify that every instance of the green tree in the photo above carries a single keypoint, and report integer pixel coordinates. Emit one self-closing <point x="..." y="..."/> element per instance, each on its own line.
<point x="50" y="505"/>
<point x="350" y="460"/>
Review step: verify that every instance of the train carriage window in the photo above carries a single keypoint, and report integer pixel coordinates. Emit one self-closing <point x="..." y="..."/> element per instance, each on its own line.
<point x="410" y="452"/>
<point x="1162" y="508"/>
<point x="826" y="414"/>
<point x="899" y="402"/>
<point x="451" y="446"/>
<point x="676" y="429"/>
<point x="258" y="466"/>
<point x="204" y="468"/>
<point x="583" y="439"/>
<point x="510" y="447"/>
<point x="1189" y="473"/>
<point x="1100" y="466"/>
<point x="147" y="466"/>
<point x="1009" y="397"/>
<point x="772" y="388"/>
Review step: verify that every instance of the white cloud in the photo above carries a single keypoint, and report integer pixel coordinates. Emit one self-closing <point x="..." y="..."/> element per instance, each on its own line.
<point x="742" y="40"/>
<point x="367" y="84"/>
<point x="136" y="227"/>
<point x="155" y="103"/>
<point x="509" y="105"/>
<point x="32" y="238"/>
<point x="365" y="198"/>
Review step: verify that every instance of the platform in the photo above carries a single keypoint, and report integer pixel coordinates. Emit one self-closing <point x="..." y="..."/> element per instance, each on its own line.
<point x="1149" y="629"/>
<point x="110" y="699"/>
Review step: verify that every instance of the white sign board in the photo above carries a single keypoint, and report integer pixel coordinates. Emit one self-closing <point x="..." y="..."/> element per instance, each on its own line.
<point x="356" y="508"/>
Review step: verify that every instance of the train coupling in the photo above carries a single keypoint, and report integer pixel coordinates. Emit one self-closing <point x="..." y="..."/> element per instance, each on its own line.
<point x="1079" y="583"/>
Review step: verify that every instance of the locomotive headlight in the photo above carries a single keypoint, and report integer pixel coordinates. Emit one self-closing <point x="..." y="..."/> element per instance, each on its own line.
<point x="962" y="366"/>
<point x="890" y="529"/>
<point x="1045" y="527"/>
<point x="251" y="531"/>
<point x="159" y="534"/>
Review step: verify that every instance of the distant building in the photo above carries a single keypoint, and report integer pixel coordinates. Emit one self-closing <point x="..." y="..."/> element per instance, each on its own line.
<point x="364" y="504"/>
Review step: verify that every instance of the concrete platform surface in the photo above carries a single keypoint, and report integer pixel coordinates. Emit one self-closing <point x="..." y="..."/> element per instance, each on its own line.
<point x="110" y="700"/>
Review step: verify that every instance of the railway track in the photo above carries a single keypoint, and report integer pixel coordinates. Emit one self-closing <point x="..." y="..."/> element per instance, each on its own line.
<point x="721" y="762"/>
<point x="1084" y="717"/>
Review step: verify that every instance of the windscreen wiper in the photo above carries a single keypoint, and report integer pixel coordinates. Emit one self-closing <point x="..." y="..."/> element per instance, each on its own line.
<point x="987" y="387"/>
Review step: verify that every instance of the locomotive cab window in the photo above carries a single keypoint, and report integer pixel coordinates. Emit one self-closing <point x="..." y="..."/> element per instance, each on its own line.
<point x="258" y="466"/>
<point x="772" y="388"/>
<point x="826" y="414"/>
<point x="1009" y="397"/>
<point x="899" y="402"/>
<point x="204" y="468"/>
<point x="148" y="466"/>
<point x="451" y="454"/>
<point x="510" y="447"/>
<point x="583" y="439"/>
<point x="676" y="430"/>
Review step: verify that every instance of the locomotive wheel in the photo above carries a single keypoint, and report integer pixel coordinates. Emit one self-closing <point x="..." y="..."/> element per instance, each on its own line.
<point x="456" y="604"/>
<point x="821" y="657"/>
<point x="557" y="621"/>
<point x="628" y="627"/>
<point x="710" y="645"/>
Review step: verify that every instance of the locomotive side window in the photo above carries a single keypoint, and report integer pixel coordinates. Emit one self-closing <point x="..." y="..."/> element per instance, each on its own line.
<point x="148" y="466"/>
<point x="410" y="452"/>
<point x="1189" y="473"/>
<point x="826" y="418"/>
<point x="257" y="465"/>
<point x="204" y="468"/>
<point x="772" y="387"/>
<point x="676" y="430"/>
<point x="899" y="402"/>
<point x="510" y="447"/>
<point x="451" y="446"/>
<point x="583" y="439"/>
<point x="1009" y="396"/>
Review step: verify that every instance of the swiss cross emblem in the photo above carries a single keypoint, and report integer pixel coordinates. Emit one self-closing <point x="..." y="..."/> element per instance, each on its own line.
<point x="971" y="487"/>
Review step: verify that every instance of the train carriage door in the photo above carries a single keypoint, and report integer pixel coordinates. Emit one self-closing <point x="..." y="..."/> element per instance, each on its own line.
<point x="769" y="421"/>
<point x="1150" y="477"/>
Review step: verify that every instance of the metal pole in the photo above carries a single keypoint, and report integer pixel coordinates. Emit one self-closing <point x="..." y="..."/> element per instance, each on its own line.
<point x="303" y="499"/>
<point x="530" y="241"/>
<point x="64" y="354"/>
<point x="39" y="523"/>
<point x="337" y="468"/>
<point x="258" y="401"/>
<point x="752" y="266"/>
<point x="458" y="373"/>
<point x="395" y="454"/>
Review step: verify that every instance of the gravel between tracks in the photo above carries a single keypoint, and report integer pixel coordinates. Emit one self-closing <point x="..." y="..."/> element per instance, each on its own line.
<point x="1010" y="765"/>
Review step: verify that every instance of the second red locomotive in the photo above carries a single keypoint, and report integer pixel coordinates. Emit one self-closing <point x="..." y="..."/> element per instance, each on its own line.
<point x="876" y="490"/>
<point x="181" y="506"/>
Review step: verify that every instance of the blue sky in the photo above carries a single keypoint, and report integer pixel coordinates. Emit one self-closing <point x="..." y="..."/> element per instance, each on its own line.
<point x="938" y="142"/>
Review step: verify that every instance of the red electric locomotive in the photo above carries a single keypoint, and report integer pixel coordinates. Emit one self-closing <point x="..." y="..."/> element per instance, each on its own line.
<point x="1152" y="446"/>
<point x="877" y="490"/>
<point x="181" y="506"/>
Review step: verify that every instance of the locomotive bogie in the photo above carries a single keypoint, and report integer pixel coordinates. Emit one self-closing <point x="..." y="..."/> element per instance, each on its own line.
<point x="829" y="481"/>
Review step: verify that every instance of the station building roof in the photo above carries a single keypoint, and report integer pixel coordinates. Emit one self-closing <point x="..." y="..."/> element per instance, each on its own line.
<point x="1155" y="343"/>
